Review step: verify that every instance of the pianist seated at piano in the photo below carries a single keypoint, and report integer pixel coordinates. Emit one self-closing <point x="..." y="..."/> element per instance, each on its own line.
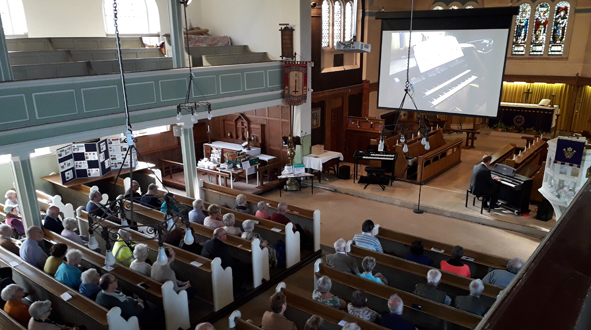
<point x="483" y="184"/>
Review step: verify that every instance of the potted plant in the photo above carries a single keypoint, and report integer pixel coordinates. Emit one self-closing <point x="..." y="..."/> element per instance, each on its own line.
<point x="499" y="127"/>
<point x="513" y="129"/>
<point x="531" y="131"/>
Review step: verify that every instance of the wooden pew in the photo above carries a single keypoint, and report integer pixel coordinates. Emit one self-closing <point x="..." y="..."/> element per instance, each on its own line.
<point x="236" y="322"/>
<point x="78" y="310"/>
<point x="407" y="274"/>
<point x="299" y="309"/>
<point x="127" y="278"/>
<point x="307" y="219"/>
<point x="343" y="284"/>
<point x="208" y="278"/>
<point x="398" y="244"/>
<point x="505" y="152"/>
<point x="430" y="163"/>
<point x="245" y="251"/>
<point x="8" y="323"/>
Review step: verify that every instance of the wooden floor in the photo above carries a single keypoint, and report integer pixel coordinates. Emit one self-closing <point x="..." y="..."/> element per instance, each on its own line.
<point x="446" y="194"/>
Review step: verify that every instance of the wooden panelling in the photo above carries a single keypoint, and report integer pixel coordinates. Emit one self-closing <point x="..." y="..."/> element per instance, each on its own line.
<point x="266" y="124"/>
<point x="357" y="140"/>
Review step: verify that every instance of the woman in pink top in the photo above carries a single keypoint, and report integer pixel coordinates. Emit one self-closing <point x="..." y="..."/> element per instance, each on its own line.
<point x="262" y="210"/>
<point x="454" y="265"/>
<point x="214" y="220"/>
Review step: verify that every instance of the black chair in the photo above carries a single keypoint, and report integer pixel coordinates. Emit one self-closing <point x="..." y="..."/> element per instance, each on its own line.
<point x="482" y="198"/>
<point x="375" y="175"/>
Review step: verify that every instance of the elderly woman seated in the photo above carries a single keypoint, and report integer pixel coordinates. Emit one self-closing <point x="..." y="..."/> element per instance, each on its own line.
<point x="229" y="221"/>
<point x="14" y="220"/>
<point x="250" y="235"/>
<point x="15" y="307"/>
<point x="140" y="253"/>
<point x="241" y="204"/>
<point x="90" y="283"/>
<point x="368" y="264"/>
<point x="11" y="198"/>
<point x="40" y="311"/>
<point x="322" y="294"/>
<point x="57" y="254"/>
<point x="70" y="225"/>
<point x="262" y="208"/>
<point x="358" y="307"/>
<point x="163" y="273"/>
<point x="68" y="273"/>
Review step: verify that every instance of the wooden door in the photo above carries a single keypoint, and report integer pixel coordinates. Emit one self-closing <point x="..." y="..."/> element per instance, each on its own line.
<point x="337" y="129"/>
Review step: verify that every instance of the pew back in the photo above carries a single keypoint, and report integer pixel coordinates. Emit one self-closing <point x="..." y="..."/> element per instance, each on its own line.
<point x="8" y="323"/>
<point x="398" y="244"/>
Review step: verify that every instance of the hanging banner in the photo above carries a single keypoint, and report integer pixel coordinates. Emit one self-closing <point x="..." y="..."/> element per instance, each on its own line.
<point x="569" y="152"/>
<point x="296" y="82"/>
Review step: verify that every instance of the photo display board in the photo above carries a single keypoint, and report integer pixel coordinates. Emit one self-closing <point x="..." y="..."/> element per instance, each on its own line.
<point x="117" y="149"/>
<point x="83" y="160"/>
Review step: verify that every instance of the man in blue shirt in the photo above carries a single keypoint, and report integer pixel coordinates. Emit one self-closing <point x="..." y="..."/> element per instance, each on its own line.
<point x="365" y="239"/>
<point x="151" y="198"/>
<point x="51" y="220"/>
<point x="196" y="215"/>
<point x="30" y="250"/>
<point x="394" y="320"/>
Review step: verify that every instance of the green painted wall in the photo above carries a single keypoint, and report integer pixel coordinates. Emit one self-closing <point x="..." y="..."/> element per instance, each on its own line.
<point x="41" y="166"/>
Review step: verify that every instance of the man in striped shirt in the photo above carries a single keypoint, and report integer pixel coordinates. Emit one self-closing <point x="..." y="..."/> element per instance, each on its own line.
<point x="365" y="239"/>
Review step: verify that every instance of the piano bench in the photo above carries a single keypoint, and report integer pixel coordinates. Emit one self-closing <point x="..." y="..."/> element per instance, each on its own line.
<point x="484" y="199"/>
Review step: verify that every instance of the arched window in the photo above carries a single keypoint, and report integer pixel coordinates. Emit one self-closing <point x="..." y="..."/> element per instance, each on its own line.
<point x="558" y="36"/>
<point x="13" y="17"/>
<point x="453" y="7"/>
<point x="325" y="23"/>
<point x="521" y="29"/>
<point x="469" y="7"/>
<point x="337" y="22"/>
<point x="538" y="39"/>
<point x="437" y="8"/>
<point x="348" y="21"/>
<point x="136" y="17"/>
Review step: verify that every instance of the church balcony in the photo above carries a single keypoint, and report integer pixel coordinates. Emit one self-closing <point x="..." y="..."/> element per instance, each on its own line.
<point x="70" y="107"/>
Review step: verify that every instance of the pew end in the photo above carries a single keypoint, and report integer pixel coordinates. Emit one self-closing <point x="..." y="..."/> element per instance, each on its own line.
<point x="176" y="307"/>
<point x="117" y="322"/>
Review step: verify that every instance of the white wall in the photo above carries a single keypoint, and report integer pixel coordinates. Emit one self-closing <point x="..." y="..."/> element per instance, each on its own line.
<point x="74" y="18"/>
<point x="251" y="22"/>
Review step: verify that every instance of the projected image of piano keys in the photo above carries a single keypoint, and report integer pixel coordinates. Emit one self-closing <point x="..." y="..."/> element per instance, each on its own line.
<point x="451" y="91"/>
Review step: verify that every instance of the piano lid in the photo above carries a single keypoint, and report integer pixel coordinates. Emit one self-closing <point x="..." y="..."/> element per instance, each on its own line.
<point x="504" y="169"/>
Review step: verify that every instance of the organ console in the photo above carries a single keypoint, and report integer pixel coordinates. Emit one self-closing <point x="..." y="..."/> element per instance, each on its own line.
<point x="388" y="160"/>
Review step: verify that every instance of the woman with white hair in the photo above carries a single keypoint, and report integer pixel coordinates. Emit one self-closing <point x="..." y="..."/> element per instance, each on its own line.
<point x="229" y="220"/>
<point x="70" y="224"/>
<point x="241" y="204"/>
<point x="368" y="264"/>
<point x="90" y="283"/>
<point x="11" y="198"/>
<point x="68" y="273"/>
<point x="250" y="235"/>
<point x="140" y="253"/>
<point x="262" y="208"/>
<point x="40" y="311"/>
<point x="322" y="294"/>
<point x="15" y="307"/>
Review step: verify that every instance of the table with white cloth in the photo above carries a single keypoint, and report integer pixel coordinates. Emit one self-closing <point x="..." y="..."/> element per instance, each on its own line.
<point x="323" y="162"/>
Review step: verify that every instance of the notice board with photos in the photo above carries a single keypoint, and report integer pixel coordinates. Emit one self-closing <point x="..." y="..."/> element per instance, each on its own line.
<point x="118" y="148"/>
<point x="83" y="160"/>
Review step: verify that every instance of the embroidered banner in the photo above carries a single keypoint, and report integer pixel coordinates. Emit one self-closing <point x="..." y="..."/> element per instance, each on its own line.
<point x="569" y="152"/>
<point x="296" y="82"/>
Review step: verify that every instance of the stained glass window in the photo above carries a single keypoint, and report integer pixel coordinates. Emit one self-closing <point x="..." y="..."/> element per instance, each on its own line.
<point x="338" y="21"/>
<point x="538" y="39"/>
<point x="469" y="7"/>
<point x="437" y="8"/>
<point x="521" y="29"/>
<point x="13" y="17"/>
<point x="325" y="23"/>
<point x="558" y="35"/>
<point x="453" y="7"/>
<point x="348" y="21"/>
